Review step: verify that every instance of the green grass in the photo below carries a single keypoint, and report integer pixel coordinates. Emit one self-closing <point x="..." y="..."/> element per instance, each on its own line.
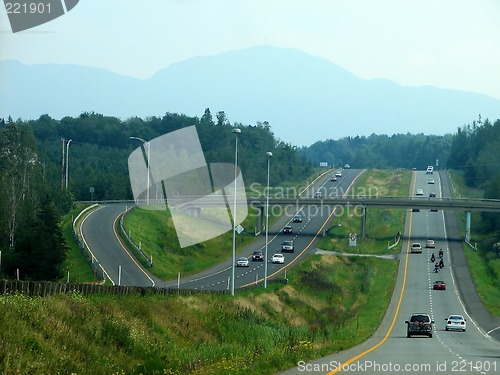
<point x="485" y="272"/>
<point x="76" y="263"/>
<point x="382" y="225"/>
<point x="154" y="232"/>
<point x="329" y="304"/>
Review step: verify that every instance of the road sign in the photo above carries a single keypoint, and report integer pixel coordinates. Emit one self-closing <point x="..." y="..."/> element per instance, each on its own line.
<point x="352" y="239"/>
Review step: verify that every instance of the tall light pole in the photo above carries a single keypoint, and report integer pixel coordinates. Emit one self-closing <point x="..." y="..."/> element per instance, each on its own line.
<point x="148" y="156"/>
<point x="237" y="132"/>
<point x="269" y="155"/>
<point x="67" y="161"/>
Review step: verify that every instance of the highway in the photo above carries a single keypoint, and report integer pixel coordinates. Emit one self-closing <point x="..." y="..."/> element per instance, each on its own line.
<point x="99" y="234"/>
<point x="389" y="351"/>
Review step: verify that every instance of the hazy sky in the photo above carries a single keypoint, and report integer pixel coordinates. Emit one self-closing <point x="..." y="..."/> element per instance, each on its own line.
<point x="444" y="43"/>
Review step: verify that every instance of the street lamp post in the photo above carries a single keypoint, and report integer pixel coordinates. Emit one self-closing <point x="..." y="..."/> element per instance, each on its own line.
<point x="148" y="156"/>
<point x="67" y="161"/>
<point x="237" y="132"/>
<point x="269" y="155"/>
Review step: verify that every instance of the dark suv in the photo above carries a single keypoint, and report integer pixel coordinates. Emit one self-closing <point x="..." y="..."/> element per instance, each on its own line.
<point x="419" y="324"/>
<point x="258" y="255"/>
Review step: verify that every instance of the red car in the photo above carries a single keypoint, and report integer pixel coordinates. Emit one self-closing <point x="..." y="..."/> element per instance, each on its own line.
<point x="439" y="285"/>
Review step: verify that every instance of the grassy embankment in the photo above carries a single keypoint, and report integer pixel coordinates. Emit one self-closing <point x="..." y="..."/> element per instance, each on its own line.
<point x="329" y="304"/>
<point x="76" y="263"/>
<point x="155" y="233"/>
<point x="485" y="272"/>
<point x="382" y="225"/>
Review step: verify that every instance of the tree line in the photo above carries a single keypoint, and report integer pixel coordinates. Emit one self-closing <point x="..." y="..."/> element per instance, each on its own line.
<point x="382" y="151"/>
<point x="33" y="173"/>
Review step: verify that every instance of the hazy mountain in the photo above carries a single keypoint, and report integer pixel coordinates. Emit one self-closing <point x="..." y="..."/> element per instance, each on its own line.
<point x="304" y="98"/>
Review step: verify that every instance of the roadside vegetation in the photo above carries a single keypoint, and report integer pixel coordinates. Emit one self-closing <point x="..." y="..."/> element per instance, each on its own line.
<point x="382" y="225"/>
<point x="154" y="232"/>
<point x="329" y="304"/>
<point x="484" y="263"/>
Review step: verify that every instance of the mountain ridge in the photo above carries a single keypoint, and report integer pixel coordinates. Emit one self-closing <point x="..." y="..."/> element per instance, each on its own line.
<point x="304" y="98"/>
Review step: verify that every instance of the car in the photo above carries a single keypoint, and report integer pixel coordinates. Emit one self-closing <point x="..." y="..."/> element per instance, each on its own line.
<point x="242" y="262"/>
<point x="439" y="285"/>
<point x="432" y="195"/>
<point x="333" y="178"/>
<point x="415" y="210"/>
<point x="420" y="192"/>
<point x="430" y="244"/>
<point x="318" y="194"/>
<point x="430" y="170"/>
<point x="434" y="210"/>
<point x="297" y="219"/>
<point x="258" y="255"/>
<point x="431" y="181"/>
<point x="338" y="174"/>
<point x="456" y="322"/>
<point x="347" y="166"/>
<point x="416" y="247"/>
<point x="278" y="258"/>
<point x="419" y="324"/>
<point x="287" y="246"/>
<point x="287" y="229"/>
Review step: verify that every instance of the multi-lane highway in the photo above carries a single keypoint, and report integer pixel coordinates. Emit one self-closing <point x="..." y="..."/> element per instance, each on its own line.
<point x="389" y="350"/>
<point x="99" y="233"/>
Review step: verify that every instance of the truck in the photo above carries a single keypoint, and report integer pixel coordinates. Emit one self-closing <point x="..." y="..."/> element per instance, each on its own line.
<point x="419" y="324"/>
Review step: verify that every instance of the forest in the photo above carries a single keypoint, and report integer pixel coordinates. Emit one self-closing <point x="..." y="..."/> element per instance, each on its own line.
<point x="33" y="173"/>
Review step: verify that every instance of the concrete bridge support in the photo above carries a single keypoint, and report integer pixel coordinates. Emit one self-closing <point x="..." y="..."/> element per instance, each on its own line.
<point x="467" y="226"/>
<point x="260" y="220"/>
<point x="363" y="222"/>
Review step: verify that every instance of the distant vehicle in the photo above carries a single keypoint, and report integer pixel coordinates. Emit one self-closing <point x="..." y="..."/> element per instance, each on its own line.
<point x="420" y="192"/>
<point x="278" y="258"/>
<point x="333" y="178"/>
<point x="338" y="174"/>
<point x="415" y="210"/>
<point x="431" y="181"/>
<point x="419" y="324"/>
<point x="287" y="246"/>
<point x="430" y="169"/>
<point x="287" y="229"/>
<point x="414" y="169"/>
<point x="439" y="285"/>
<point x="456" y="322"/>
<point x="258" y="255"/>
<point x="416" y="247"/>
<point x="242" y="262"/>
<point x="432" y="195"/>
<point x="318" y="194"/>
<point x="347" y="166"/>
<point x="434" y="210"/>
<point x="430" y="244"/>
<point x="297" y="219"/>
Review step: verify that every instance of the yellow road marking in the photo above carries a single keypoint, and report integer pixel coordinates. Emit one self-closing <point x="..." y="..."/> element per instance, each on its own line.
<point x="348" y="362"/>
<point x="125" y="249"/>
<point x="310" y="243"/>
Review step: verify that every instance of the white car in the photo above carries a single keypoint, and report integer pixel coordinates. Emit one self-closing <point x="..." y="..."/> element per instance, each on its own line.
<point x="420" y="192"/>
<point x="242" y="262"/>
<point x="278" y="258"/>
<point x="456" y="322"/>
<point x="416" y="247"/>
<point x="338" y="174"/>
<point x="431" y="180"/>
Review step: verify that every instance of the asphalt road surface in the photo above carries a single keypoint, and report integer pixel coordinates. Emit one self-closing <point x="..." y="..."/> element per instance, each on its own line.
<point x="389" y="351"/>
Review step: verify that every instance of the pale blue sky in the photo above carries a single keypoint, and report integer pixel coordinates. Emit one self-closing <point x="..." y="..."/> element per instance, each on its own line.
<point x="447" y="43"/>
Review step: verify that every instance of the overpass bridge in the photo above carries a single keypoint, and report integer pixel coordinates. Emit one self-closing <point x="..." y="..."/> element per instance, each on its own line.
<point x="356" y="205"/>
